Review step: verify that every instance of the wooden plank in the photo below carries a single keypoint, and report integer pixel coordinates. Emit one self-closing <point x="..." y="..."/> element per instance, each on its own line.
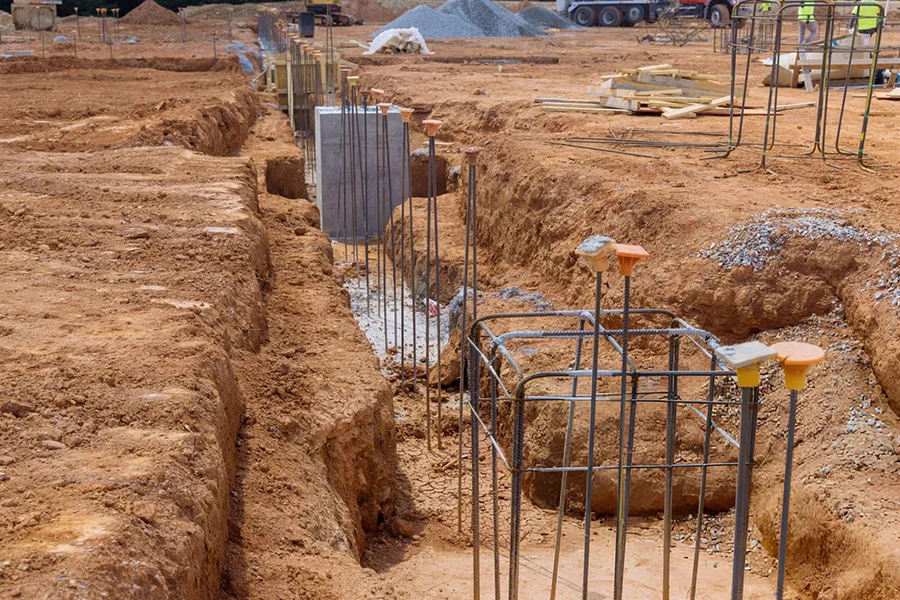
<point x="581" y="109"/>
<point x="784" y="107"/>
<point x="684" y="84"/>
<point x="693" y="108"/>
<point x="653" y="68"/>
<point x="668" y="112"/>
<point x="882" y="63"/>
<point x="623" y="103"/>
<point x="662" y="92"/>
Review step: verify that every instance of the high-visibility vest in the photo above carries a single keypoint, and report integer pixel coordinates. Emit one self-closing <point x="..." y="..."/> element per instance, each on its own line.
<point x="765" y="7"/>
<point x="866" y="16"/>
<point x="806" y="13"/>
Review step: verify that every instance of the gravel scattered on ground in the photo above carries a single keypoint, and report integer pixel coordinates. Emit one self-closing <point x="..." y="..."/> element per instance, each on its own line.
<point x="546" y="18"/>
<point x="757" y="242"/>
<point x="464" y="19"/>
<point x="514" y="293"/>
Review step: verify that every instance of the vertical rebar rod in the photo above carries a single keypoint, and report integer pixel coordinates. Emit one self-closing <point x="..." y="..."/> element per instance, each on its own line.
<point x="476" y="526"/>
<point x="404" y="167"/>
<point x="342" y="195"/>
<point x="710" y="396"/>
<point x="742" y="496"/>
<point x="621" y="525"/>
<point x="432" y="169"/>
<point x="354" y="204"/>
<point x="495" y="492"/>
<point x="428" y="314"/>
<point x="463" y="347"/>
<point x="516" y="491"/>
<point x="382" y="223"/>
<point x="77" y="25"/>
<point x="671" y="414"/>
<point x="364" y="173"/>
<point x="595" y="357"/>
<point x="378" y="222"/>
<point x="570" y="422"/>
<point x="389" y="203"/>
<point x="786" y="499"/>
<point x="412" y="266"/>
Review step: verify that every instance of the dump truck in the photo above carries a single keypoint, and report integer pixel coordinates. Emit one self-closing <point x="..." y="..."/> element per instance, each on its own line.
<point x="320" y="9"/>
<point x="627" y="13"/>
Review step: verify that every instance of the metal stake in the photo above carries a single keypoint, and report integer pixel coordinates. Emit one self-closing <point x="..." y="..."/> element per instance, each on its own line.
<point x="432" y="195"/>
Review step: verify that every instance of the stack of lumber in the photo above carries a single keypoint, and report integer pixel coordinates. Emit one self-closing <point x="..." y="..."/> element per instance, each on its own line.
<point x="656" y="89"/>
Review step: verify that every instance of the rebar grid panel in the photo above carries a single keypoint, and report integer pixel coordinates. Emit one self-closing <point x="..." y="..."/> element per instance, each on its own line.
<point x="839" y="61"/>
<point x="512" y="395"/>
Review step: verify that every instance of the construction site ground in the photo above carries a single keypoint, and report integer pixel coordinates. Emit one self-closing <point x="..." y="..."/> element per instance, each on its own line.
<point x="189" y="410"/>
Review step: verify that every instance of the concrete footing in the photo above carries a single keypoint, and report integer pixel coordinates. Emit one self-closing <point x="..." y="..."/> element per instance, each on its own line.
<point x="330" y="171"/>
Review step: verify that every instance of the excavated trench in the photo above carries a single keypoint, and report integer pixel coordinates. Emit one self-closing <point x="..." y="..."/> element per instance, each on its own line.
<point x="274" y="459"/>
<point x="812" y="276"/>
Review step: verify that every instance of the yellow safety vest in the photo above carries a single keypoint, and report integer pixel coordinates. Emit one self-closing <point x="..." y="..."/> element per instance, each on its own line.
<point x="765" y="7"/>
<point x="806" y="13"/>
<point x="866" y="16"/>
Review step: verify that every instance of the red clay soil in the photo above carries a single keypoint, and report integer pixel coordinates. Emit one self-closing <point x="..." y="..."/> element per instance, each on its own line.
<point x="85" y="108"/>
<point x="145" y="310"/>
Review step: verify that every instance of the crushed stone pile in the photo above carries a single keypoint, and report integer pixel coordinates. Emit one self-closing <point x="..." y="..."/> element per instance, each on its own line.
<point x="151" y="13"/>
<point x="546" y="18"/>
<point x="758" y="241"/>
<point x="464" y="19"/>
<point x="492" y="20"/>
<point x="432" y="24"/>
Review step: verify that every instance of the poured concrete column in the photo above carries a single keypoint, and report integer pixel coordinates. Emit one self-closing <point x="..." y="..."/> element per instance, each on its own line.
<point x="329" y="165"/>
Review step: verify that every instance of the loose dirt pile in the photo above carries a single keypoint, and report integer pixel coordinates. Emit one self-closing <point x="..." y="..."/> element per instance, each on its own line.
<point x="151" y="13"/>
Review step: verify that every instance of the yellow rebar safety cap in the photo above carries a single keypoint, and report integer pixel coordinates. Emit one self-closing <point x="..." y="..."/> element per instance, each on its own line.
<point x="796" y="358"/>
<point x="595" y="251"/>
<point x="745" y="360"/>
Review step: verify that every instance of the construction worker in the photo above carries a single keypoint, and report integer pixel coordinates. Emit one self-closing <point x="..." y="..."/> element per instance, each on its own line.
<point x="865" y="19"/>
<point x="806" y="19"/>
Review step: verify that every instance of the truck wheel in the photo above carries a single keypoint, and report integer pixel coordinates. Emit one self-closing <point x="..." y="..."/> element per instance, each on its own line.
<point x="610" y="16"/>
<point x="719" y="15"/>
<point x="634" y="14"/>
<point x="585" y="16"/>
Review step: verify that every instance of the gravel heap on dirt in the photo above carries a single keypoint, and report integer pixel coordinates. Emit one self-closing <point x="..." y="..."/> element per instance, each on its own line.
<point x="464" y="18"/>
<point x="546" y="18"/>
<point x="757" y="242"/>
<point x="432" y="24"/>
<point x="151" y="13"/>
<point x="492" y="20"/>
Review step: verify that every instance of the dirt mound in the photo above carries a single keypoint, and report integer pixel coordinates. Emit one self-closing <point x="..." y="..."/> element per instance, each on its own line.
<point x="151" y="13"/>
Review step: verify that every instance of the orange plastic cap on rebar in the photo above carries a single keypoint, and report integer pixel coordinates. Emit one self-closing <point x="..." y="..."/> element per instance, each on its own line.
<point x="345" y="70"/>
<point x="796" y="358"/>
<point x="431" y="126"/>
<point x="376" y="93"/>
<point x="384" y="107"/>
<point x="406" y="113"/>
<point x="628" y="256"/>
<point x="472" y="153"/>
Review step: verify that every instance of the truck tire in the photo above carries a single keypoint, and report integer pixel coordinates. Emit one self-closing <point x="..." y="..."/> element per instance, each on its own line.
<point x="634" y="14"/>
<point x="609" y="16"/>
<point x="719" y="16"/>
<point x="585" y="16"/>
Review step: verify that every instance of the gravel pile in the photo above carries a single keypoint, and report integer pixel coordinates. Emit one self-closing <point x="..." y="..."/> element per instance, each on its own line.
<point x="492" y="20"/>
<point x="546" y="18"/>
<point x="464" y="19"/>
<point x="433" y="24"/>
<point x="755" y="243"/>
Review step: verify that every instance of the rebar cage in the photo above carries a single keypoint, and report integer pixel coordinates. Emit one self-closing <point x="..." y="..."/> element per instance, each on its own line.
<point x="838" y="55"/>
<point x="512" y="392"/>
